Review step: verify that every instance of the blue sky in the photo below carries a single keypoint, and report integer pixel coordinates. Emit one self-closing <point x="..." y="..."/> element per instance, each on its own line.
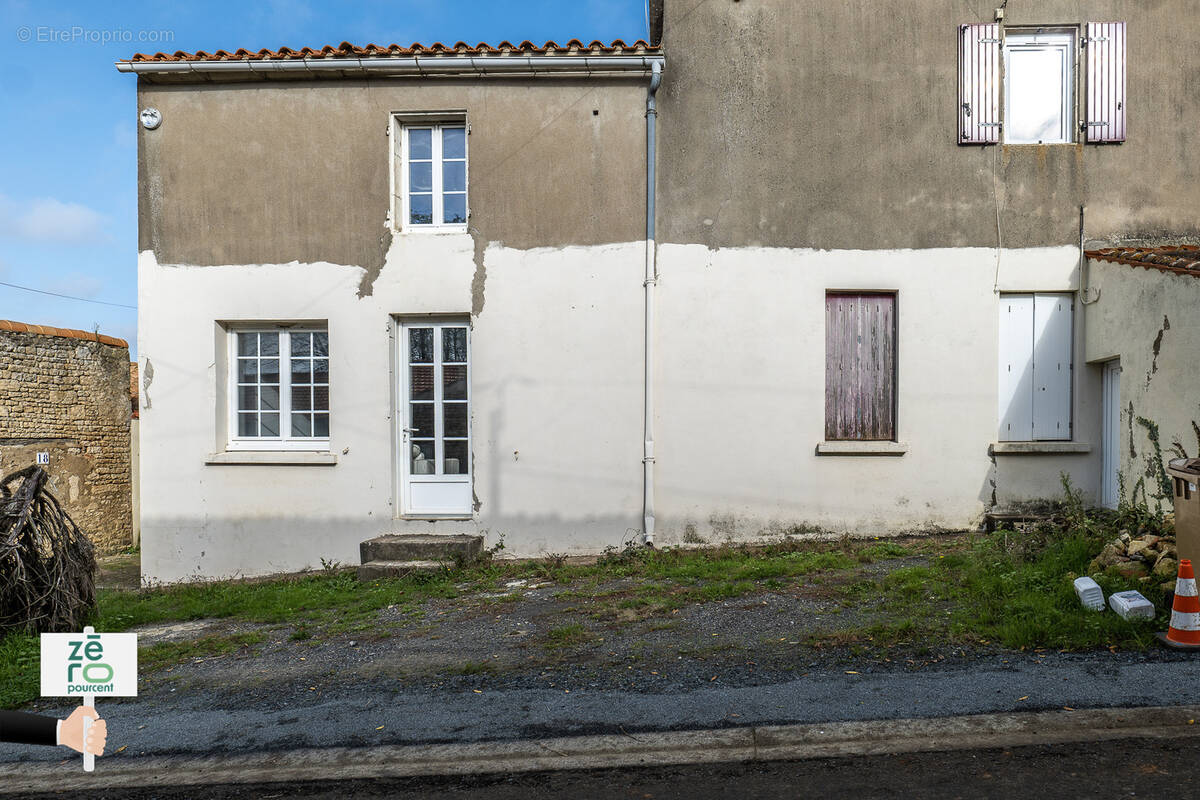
<point x="68" y="160"/>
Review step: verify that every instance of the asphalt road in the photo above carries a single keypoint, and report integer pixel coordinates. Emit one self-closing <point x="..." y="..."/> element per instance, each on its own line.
<point x="1123" y="768"/>
<point x="491" y="708"/>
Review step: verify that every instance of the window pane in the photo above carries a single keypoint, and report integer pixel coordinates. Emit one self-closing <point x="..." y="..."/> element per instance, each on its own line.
<point x="454" y="419"/>
<point x="301" y="425"/>
<point x="270" y="424"/>
<point x="248" y="398"/>
<point x="321" y="398"/>
<point x="420" y="176"/>
<point x="454" y="382"/>
<point x="301" y="344"/>
<point x="247" y="344"/>
<point x="320" y="344"/>
<point x="454" y="345"/>
<point x="269" y="370"/>
<point x="421" y="420"/>
<point x="456" y="458"/>
<point x="421" y="386"/>
<point x="320" y="370"/>
<point x="420" y="346"/>
<point x="422" y="458"/>
<point x="248" y="370"/>
<point x="320" y="424"/>
<point x="420" y="209"/>
<point x="269" y="344"/>
<point x="454" y="209"/>
<point x="302" y="398"/>
<point x="454" y="142"/>
<point x="301" y="371"/>
<point x="454" y="176"/>
<point x="247" y="424"/>
<point x="420" y="143"/>
<point x="270" y="398"/>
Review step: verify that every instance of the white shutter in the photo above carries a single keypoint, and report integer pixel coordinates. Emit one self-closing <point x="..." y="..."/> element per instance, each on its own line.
<point x="979" y="84"/>
<point x="1105" y="82"/>
<point x="1016" y="367"/>
<point x="1052" y="366"/>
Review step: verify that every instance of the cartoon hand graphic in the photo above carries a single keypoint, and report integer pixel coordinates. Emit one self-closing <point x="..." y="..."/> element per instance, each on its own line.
<point x="71" y="734"/>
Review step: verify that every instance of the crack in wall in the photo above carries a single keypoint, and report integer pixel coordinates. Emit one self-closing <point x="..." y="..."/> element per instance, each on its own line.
<point x="1157" y="348"/>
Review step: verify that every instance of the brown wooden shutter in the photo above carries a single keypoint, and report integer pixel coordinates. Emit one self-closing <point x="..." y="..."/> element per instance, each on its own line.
<point x="1105" y="82"/>
<point x="860" y="367"/>
<point x="979" y="84"/>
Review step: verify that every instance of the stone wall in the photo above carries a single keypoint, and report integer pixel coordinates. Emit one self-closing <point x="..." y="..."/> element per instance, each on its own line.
<point x="66" y="393"/>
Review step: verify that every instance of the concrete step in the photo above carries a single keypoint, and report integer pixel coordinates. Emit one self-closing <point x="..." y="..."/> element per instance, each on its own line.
<point x="400" y="547"/>
<point x="373" y="570"/>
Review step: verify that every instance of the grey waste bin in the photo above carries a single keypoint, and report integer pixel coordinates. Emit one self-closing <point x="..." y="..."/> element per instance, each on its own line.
<point x="1185" y="475"/>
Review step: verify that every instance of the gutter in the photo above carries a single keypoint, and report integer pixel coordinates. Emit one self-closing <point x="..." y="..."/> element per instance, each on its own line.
<point x="649" y="283"/>
<point x="436" y="66"/>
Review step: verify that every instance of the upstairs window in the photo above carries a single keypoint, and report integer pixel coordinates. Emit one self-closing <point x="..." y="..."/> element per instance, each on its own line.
<point x="431" y="176"/>
<point x="1034" y="70"/>
<point x="1039" y="88"/>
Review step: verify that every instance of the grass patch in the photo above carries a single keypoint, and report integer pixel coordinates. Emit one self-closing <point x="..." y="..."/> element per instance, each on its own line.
<point x="569" y="635"/>
<point x="19" y="670"/>
<point x="164" y="654"/>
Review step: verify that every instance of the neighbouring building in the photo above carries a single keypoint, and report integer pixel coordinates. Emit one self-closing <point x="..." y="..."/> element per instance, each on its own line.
<point x="791" y="265"/>
<point x="64" y="404"/>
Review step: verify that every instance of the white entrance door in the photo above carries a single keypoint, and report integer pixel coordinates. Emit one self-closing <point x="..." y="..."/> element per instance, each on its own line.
<point x="1111" y="445"/>
<point x="435" y="409"/>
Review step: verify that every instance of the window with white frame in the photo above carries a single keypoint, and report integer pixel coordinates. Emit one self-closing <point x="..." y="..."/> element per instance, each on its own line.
<point x="1035" y="367"/>
<point x="280" y="388"/>
<point x="431" y="175"/>
<point x="1059" y="84"/>
<point x="1039" y="87"/>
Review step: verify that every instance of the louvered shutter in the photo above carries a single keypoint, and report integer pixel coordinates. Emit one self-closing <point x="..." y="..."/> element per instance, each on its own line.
<point x="1052" y="366"/>
<point x="1105" y="82"/>
<point x="979" y="84"/>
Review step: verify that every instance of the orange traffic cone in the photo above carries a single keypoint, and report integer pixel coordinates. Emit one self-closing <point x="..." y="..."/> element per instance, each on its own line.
<point x="1184" y="630"/>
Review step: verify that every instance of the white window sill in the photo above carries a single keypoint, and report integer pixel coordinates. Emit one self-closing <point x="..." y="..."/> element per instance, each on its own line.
<point x="1038" y="448"/>
<point x="432" y="230"/>
<point x="277" y="457"/>
<point x="427" y="517"/>
<point x="862" y="448"/>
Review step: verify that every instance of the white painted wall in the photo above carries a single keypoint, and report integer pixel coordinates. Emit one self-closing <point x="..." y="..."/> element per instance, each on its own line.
<point x="740" y="392"/>
<point x="556" y="390"/>
<point x="557" y="396"/>
<point x="1134" y="307"/>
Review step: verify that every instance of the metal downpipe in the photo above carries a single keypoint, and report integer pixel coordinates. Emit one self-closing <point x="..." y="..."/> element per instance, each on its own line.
<point x="650" y="282"/>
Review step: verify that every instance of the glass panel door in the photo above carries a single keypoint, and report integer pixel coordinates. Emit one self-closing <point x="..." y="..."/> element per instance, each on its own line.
<point x="435" y="440"/>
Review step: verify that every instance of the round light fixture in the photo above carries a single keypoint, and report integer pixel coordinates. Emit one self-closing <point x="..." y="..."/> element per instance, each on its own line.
<point x="151" y="118"/>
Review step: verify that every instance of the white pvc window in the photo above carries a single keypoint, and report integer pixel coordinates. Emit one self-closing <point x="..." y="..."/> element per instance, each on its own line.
<point x="1039" y="88"/>
<point x="279" y="398"/>
<point x="433" y="176"/>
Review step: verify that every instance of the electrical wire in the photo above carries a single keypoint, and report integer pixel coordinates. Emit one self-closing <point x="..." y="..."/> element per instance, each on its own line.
<point x="66" y="296"/>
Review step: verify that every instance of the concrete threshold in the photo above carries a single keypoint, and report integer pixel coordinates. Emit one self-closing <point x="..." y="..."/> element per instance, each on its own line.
<point x="764" y="743"/>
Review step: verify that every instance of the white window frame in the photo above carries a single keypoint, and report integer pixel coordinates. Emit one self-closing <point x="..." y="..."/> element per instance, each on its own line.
<point x="1065" y="39"/>
<point x="281" y="442"/>
<point x="400" y="126"/>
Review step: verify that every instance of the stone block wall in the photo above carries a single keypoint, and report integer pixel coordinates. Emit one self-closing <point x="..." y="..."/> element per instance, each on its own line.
<point x="66" y="393"/>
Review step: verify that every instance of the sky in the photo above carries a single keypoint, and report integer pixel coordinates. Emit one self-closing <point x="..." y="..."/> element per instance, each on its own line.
<point x="68" y="147"/>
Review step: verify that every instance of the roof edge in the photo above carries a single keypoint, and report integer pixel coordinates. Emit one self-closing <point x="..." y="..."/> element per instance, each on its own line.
<point x="1149" y="258"/>
<point x="66" y="333"/>
<point x="411" y="66"/>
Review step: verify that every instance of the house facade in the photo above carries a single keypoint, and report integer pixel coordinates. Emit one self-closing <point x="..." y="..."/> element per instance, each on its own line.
<point x="794" y="265"/>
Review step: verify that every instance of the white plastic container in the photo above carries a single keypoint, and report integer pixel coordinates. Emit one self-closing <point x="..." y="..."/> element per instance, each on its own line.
<point x="1090" y="594"/>
<point x="1131" y="605"/>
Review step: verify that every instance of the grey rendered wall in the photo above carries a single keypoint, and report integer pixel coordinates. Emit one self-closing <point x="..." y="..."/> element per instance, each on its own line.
<point x="810" y="123"/>
<point x="288" y="171"/>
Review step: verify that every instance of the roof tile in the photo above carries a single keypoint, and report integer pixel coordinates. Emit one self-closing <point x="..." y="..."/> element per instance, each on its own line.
<point x="1183" y="258"/>
<point x="69" y="333"/>
<point x="345" y="50"/>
